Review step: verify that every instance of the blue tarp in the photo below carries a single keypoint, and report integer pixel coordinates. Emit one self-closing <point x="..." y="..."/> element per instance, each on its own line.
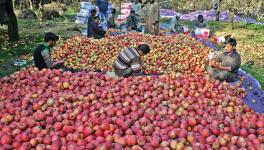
<point x="255" y="96"/>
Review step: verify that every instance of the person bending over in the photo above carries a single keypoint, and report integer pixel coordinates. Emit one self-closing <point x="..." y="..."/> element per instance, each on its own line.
<point x="129" y="62"/>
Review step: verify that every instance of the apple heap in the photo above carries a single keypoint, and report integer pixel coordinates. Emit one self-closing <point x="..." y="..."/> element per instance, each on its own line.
<point x="169" y="54"/>
<point x="51" y="109"/>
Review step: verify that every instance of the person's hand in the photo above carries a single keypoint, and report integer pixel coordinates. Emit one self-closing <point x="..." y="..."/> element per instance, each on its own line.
<point x="212" y="63"/>
<point x="215" y="64"/>
<point x="60" y="62"/>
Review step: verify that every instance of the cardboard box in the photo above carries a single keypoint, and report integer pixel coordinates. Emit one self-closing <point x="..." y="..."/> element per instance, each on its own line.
<point x="125" y="11"/>
<point x="219" y="39"/>
<point x="202" y="33"/>
<point x="185" y="30"/>
<point x="85" y="4"/>
<point x="121" y="19"/>
<point x="126" y="5"/>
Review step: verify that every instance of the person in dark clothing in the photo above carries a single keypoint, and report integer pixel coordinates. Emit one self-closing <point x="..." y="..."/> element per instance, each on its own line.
<point x="97" y="32"/>
<point x="90" y="21"/>
<point x="225" y="66"/>
<point x="132" y="21"/>
<point x="42" y="56"/>
<point x="111" y="20"/>
<point x="200" y="23"/>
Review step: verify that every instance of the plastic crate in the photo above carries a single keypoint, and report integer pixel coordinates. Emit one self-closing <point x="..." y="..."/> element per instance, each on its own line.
<point x="219" y="39"/>
<point x="85" y="4"/>
<point x="126" y="5"/>
<point x="201" y="33"/>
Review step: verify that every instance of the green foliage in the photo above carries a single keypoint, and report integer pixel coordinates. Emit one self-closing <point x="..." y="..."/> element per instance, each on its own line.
<point x="187" y="5"/>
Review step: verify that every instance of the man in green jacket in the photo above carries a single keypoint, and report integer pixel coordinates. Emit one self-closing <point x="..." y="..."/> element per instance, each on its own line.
<point x="42" y="54"/>
<point x="225" y="66"/>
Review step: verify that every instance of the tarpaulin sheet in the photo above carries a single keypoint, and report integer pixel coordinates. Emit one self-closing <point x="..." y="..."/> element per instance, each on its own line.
<point x="209" y="15"/>
<point x="255" y="96"/>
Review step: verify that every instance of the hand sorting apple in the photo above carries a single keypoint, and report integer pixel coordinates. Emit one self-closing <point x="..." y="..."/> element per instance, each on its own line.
<point x="226" y="64"/>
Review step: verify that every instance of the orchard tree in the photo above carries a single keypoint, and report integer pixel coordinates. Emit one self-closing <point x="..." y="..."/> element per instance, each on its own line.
<point x="232" y="13"/>
<point x="8" y="17"/>
<point x="217" y="8"/>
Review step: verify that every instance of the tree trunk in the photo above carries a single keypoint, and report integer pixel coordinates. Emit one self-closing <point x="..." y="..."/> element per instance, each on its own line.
<point x="12" y="23"/>
<point x="217" y="9"/>
<point x="13" y="3"/>
<point x="248" y="8"/>
<point x="41" y="10"/>
<point x="194" y="4"/>
<point x="30" y="4"/>
<point x="16" y="4"/>
<point x="260" y="8"/>
<point x="232" y="13"/>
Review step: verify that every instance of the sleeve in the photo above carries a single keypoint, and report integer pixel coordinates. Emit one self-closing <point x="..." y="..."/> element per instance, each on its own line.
<point x="156" y="13"/>
<point x="128" y="22"/>
<point x="46" y="56"/>
<point x="139" y="9"/>
<point x="101" y="31"/>
<point x="206" y="24"/>
<point x="109" y="20"/>
<point x="173" y="23"/>
<point x="133" y="6"/>
<point x="195" y="25"/>
<point x="89" y="22"/>
<point x="235" y="63"/>
<point x="137" y="20"/>
<point x="98" y="30"/>
<point x="218" y="57"/>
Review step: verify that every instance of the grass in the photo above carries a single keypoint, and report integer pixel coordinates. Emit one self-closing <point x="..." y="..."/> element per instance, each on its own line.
<point x="249" y="36"/>
<point x="31" y="35"/>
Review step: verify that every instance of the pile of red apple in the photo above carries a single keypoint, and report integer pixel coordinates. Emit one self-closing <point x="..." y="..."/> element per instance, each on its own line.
<point x="56" y="110"/>
<point x="169" y="54"/>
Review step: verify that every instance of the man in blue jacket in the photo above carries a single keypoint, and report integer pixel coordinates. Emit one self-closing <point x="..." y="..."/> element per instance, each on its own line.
<point x="103" y="7"/>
